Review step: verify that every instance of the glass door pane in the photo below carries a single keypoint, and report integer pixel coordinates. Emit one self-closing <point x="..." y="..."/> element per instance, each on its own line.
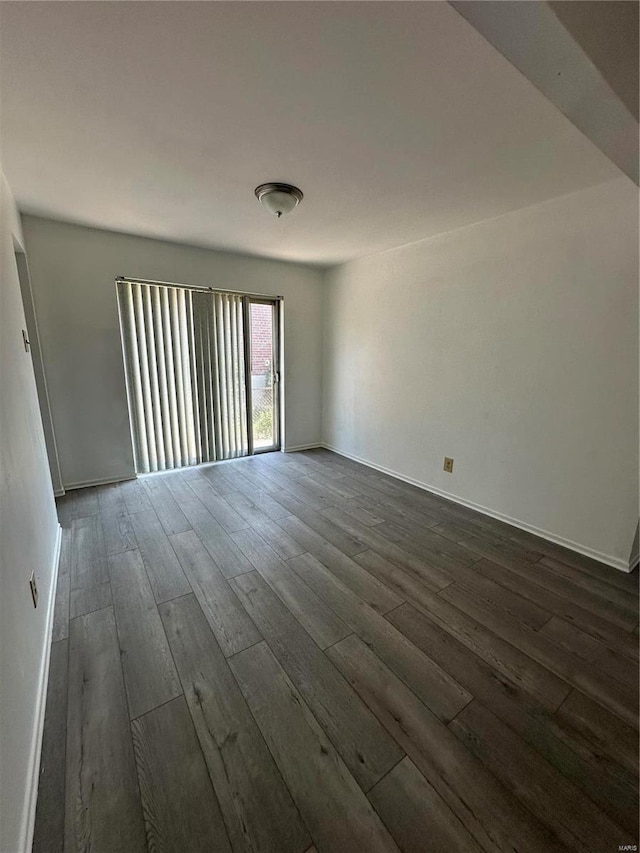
<point x="264" y="375"/>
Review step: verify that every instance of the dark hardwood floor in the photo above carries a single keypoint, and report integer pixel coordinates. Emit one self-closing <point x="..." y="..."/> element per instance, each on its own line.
<point x="293" y="653"/>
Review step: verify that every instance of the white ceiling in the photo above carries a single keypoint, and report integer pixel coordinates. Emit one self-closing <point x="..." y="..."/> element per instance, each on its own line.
<point x="397" y="120"/>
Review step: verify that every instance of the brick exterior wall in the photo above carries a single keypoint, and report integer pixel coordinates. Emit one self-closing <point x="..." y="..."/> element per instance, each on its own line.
<point x="261" y="335"/>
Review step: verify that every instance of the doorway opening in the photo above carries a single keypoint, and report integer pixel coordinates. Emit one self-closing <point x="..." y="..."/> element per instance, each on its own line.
<point x="202" y="371"/>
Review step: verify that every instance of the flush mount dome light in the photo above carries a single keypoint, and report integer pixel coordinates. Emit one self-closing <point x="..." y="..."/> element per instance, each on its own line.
<point x="278" y="198"/>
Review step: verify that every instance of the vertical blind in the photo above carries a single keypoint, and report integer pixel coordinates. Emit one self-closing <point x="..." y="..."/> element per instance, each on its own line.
<point x="184" y="362"/>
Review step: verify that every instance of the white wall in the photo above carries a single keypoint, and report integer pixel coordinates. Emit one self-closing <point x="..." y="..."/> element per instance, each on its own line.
<point x="511" y="345"/>
<point x="28" y="541"/>
<point x="72" y="275"/>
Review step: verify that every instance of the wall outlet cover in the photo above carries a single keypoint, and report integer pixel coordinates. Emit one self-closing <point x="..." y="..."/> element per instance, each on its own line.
<point x="448" y="464"/>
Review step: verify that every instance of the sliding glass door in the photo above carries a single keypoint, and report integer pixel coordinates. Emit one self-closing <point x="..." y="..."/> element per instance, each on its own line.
<point x="192" y="358"/>
<point x="265" y="375"/>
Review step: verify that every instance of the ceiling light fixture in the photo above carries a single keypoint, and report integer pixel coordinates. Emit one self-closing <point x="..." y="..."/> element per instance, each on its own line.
<point x="279" y="198"/>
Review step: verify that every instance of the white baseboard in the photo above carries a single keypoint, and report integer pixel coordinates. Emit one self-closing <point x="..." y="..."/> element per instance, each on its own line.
<point x="58" y="493"/>
<point x="102" y="482"/>
<point x="41" y="703"/>
<point x="302" y="447"/>
<point x="615" y="562"/>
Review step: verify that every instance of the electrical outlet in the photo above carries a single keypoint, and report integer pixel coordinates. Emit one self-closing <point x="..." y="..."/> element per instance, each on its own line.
<point x="448" y="464"/>
<point x="33" y="586"/>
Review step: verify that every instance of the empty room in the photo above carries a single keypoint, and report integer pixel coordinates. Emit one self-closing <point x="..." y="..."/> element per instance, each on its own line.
<point x="319" y="426"/>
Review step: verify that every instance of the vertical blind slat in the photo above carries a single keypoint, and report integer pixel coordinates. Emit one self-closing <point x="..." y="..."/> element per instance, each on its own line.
<point x="176" y="362"/>
<point x="132" y="377"/>
<point x="161" y="370"/>
<point x="201" y="373"/>
<point x="190" y="367"/>
<point x="216" y="392"/>
<point x="145" y="375"/>
<point x="171" y="379"/>
<point x="152" y="362"/>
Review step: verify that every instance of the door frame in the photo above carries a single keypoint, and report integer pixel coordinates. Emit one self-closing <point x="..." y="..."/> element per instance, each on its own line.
<point x="275" y="304"/>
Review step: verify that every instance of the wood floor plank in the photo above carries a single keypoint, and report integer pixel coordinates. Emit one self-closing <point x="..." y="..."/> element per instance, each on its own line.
<point x="420" y="572"/>
<point x="290" y="461"/>
<point x="504" y="657"/>
<point x="573" y="639"/>
<point x="118" y="532"/>
<point x="233" y="629"/>
<point x="618" y="667"/>
<point x="327" y="465"/>
<point x="484" y="542"/>
<point x="48" y="835"/>
<point x="181" y="811"/>
<point x="431" y="541"/>
<point x="237" y="479"/>
<point x="532" y="587"/>
<point x="226" y="516"/>
<point x="194" y="472"/>
<point x="579" y="596"/>
<point x="265" y="502"/>
<point x="529" y="541"/>
<point x="169" y="513"/>
<point x="427" y="544"/>
<point x="165" y="573"/>
<point x="60" y="629"/>
<point x="402" y="583"/>
<point x="283" y="488"/>
<point x="216" y="476"/>
<point x="579" y="758"/>
<point x="89" y="559"/>
<point x="587" y="647"/>
<point x="355" y="511"/>
<point x="314" y="615"/>
<point x="441" y="693"/>
<point x="424" y="508"/>
<point x="520" y="608"/>
<point x="365" y="585"/>
<point x="586" y="565"/>
<point x="149" y="673"/>
<point x="568" y="813"/>
<point x="226" y="554"/>
<point x="398" y="514"/>
<point x="375" y="540"/>
<point x="102" y="801"/>
<point x="361" y="741"/>
<point x="610" y="693"/>
<point x="494" y="818"/>
<point x="177" y="485"/>
<point x="625" y="599"/>
<point x="330" y="487"/>
<point x="257" y="807"/>
<point x="110" y="499"/>
<point x="89" y="598"/>
<point x="241" y="479"/>
<point x="608" y="732"/>
<point x="322" y="524"/>
<point x="416" y="815"/>
<point x="135" y="497"/>
<point x="332" y="805"/>
<point x="271" y="532"/>
<point x="84" y="502"/>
